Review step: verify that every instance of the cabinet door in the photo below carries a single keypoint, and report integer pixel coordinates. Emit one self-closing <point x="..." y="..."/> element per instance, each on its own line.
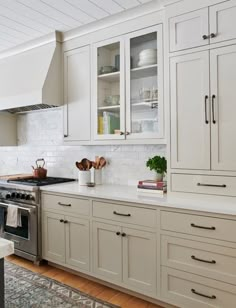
<point x="109" y="89"/>
<point x="53" y="237"/>
<point x="139" y="260"/>
<point x="223" y="77"/>
<point x="8" y="129"/>
<point x="77" y="94"/>
<point x="77" y="242"/>
<point x="107" y="251"/>
<point x="189" y="30"/>
<point x="144" y="84"/>
<point x="223" y="21"/>
<point x="190" y="123"/>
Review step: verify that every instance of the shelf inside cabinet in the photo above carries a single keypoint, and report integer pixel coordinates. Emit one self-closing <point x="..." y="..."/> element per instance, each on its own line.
<point x="151" y="104"/>
<point x="109" y="107"/>
<point x="110" y="77"/>
<point x="144" y="71"/>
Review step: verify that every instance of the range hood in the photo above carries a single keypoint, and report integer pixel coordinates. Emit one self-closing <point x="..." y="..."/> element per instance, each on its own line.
<point x="31" y="77"/>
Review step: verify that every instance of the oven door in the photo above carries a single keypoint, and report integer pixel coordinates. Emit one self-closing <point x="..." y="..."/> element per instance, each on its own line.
<point x="25" y="238"/>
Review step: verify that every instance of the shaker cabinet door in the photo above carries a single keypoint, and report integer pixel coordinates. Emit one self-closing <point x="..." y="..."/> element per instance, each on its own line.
<point x="77" y="94"/>
<point x="139" y="260"/>
<point x="77" y="242"/>
<point x="189" y="30"/>
<point x="107" y="251"/>
<point x="223" y="127"/>
<point x="190" y="111"/>
<point x="53" y="229"/>
<point x="223" y="21"/>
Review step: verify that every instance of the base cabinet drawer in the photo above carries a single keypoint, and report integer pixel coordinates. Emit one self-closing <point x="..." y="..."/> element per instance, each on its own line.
<point x="79" y="206"/>
<point x="204" y="184"/>
<point x="187" y="290"/>
<point x="203" y="259"/>
<point x="126" y="214"/>
<point x="211" y="227"/>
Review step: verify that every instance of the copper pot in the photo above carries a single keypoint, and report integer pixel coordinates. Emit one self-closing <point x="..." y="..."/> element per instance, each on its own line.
<point x="40" y="172"/>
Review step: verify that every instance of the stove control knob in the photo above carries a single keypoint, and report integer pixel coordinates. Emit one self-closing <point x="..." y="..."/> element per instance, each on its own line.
<point x="23" y="196"/>
<point x="18" y="195"/>
<point x="13" y="195"/>
<point x="29" y="197"/>
<point x="8" y="196"/>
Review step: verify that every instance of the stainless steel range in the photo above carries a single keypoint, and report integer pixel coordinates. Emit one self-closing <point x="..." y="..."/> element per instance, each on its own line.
<point x="25" y="194"/>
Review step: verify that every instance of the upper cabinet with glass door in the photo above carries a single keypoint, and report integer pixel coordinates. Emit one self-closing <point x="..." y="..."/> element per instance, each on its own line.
<point x="109" y="89"/>
<point x="144" y="84"/>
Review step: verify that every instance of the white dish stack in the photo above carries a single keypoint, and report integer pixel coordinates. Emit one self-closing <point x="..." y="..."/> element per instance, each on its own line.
<point x="147" y="57"/>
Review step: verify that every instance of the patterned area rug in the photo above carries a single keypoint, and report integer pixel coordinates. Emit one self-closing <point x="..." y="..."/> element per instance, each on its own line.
<point x="26" y="289"/>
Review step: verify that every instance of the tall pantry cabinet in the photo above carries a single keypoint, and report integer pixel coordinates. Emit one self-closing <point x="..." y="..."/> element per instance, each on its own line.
<point x="202" y="100"/>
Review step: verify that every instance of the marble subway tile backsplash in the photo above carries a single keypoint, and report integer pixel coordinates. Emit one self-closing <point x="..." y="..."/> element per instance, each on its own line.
<point x="40" y="135"/>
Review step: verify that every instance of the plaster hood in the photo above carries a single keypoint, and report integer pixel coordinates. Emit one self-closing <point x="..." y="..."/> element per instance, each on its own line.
<point x="31" y="76"/>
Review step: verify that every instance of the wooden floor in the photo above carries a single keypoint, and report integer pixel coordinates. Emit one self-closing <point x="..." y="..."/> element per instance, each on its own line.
<point x="92" y="288"/>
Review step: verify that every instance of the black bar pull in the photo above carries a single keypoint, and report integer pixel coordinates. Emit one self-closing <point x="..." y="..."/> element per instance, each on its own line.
<point x="203" y="295"/>
<point x="205" y="261"/>
<point x="61" y="220"/>
<point x="121" y="214"/>
<point x="117" y="233"/>
<point x="202" y="227"/>
<point x="206" y="118"/>
<point x="212" y="185"/>
<point x="64" y="204"/>
<point x="213" y="109"/>
<point x="123" y="234"/>
<point x="66" y="221"/>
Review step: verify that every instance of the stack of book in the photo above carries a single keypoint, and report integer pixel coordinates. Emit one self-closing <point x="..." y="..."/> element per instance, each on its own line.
<point x="149" y="186"/>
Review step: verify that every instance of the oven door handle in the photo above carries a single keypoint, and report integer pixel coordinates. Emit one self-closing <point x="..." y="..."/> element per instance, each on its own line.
<point x="19" y="207"/>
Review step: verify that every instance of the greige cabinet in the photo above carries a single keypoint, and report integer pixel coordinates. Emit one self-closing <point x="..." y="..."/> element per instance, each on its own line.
<point x="77" y="94"/>
<point x="66" y="240"/>
<point x="190" y="111"/>
<point x="201" y="27"/>
<point x="130" y="256"/>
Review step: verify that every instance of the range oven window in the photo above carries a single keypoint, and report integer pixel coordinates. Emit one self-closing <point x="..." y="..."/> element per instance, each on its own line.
<point x="19" y="231"/>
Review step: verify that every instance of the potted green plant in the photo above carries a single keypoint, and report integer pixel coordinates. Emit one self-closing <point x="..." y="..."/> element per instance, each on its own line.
<point x="159" y="165"/>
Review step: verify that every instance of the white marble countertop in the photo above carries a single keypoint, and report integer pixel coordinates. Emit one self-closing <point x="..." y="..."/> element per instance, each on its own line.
<point x="204" y="203"/>
<point x="6" y="248"/>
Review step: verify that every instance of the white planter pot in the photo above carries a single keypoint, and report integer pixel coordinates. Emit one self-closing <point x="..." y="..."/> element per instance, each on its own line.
<point x="158" y="177"/>
<point x="84" y="177"/>
<point x="98" y="176"/>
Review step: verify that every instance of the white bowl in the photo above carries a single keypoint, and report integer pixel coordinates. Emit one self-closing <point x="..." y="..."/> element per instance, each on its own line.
<point x="145" y="63"/>
<point x="148" y="52"/>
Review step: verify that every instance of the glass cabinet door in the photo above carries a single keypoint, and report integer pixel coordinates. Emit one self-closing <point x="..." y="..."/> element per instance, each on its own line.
<point x="109" y="88"/>
<point x="144" y="87"/>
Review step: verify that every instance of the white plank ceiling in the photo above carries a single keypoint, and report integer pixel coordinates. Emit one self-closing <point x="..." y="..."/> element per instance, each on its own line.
<point x="23" y="20"/>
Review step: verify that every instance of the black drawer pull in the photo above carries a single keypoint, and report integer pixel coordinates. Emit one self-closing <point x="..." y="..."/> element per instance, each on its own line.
<point x="117" y="233"/>
<point x="213" y="109"/>
<point x="206" y="118"/>
<point x="211" y="185"/>
<point x="66" y="221"/>
<point x="205" y="37"/>
<point x="202" y="227"/>
<point x="201" y="260"/>
<point x="61" y="220"/>
<point x="123" y="234"/>
<point x="64" y="204"/>
<point x="120" y="214"/>
<point x="203" y="295"/>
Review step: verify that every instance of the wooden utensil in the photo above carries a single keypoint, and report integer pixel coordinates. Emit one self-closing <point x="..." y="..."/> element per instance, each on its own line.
<point x="79" y="166"/>
<point x="102" y="162"/>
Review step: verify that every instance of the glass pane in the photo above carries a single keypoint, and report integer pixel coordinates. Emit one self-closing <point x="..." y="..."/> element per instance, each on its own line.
<point x="108" y="89"/>
<point x="144" y="84"/>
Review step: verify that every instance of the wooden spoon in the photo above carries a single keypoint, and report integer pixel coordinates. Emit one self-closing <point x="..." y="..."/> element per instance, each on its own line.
<point x="84" y="162"/>
<point x="102" y="162"/>
<point x="88" y="164"/>
<point x="97" y="161"/>
<point x="79" y="166"/>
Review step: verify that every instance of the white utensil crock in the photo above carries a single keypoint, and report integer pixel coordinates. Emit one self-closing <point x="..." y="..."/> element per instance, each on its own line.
<point x="98" y="176"/>
<point x="84" y="177"/>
